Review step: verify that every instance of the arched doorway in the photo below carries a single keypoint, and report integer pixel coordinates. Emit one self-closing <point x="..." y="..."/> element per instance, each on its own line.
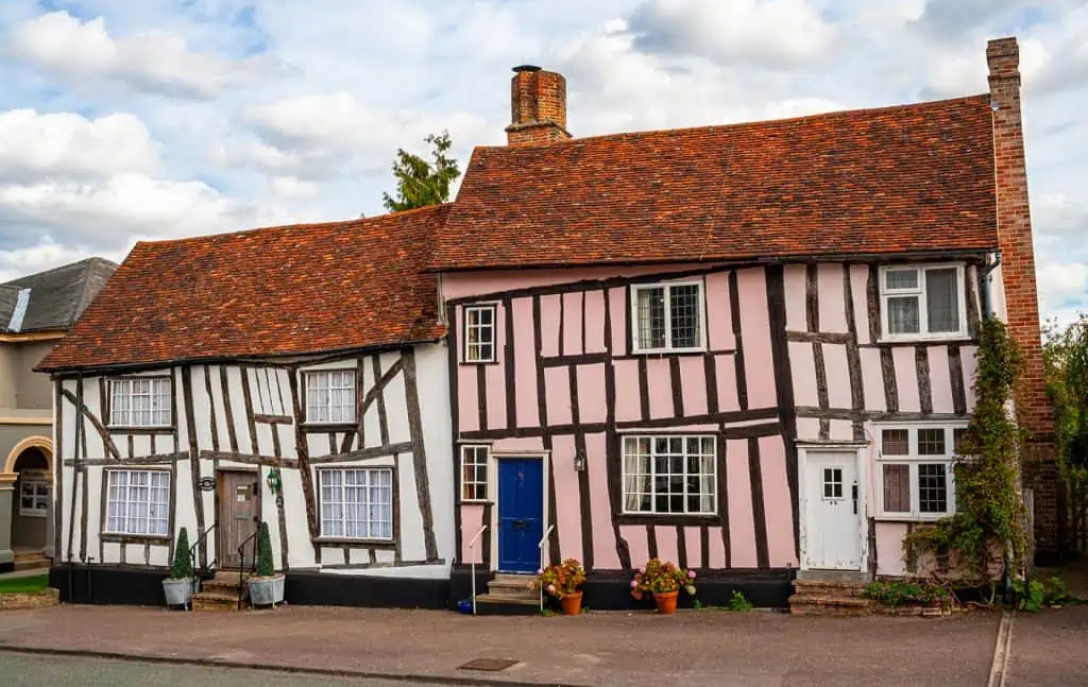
<point x="29" y="469"/>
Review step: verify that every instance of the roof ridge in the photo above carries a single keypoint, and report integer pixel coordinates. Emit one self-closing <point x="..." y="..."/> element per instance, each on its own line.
<point x="740" y="125"/>
<point x="299" y="225"/>
<point x="58" y="268"/>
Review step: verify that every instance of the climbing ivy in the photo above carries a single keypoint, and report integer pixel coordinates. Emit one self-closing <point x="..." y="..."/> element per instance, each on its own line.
<point x="987" y="528"/>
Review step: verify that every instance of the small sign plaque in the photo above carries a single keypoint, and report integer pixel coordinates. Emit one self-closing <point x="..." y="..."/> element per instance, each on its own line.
<point x="207" y="484"/>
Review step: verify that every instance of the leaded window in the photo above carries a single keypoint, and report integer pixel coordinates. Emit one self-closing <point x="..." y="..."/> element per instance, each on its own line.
<point x="670" y="475"/>
<point x="330" y="396"/>
<point x="141" y="402"/>
<point x="357" y="503"/>
<point x="668" y="317"/>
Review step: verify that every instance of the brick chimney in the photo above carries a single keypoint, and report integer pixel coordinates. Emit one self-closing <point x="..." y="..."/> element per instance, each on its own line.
<point x="1033" y="408"/>
<point x="538" y="107"/>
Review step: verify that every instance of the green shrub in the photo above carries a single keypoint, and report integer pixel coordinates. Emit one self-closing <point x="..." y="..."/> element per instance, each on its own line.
<point x="739" y="603"/>
<point x="1029" y="595"/>
<point x="264" y="552"/>
<point x="894" y="593"/>
<point x="182" y="569"/>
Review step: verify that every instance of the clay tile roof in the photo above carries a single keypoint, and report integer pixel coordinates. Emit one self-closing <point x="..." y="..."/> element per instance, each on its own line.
<point x="893" y="180"/>
<point x="279" y="291"/>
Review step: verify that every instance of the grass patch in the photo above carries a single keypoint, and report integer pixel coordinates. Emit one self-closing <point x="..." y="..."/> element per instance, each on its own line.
<point x="24" y="584"/>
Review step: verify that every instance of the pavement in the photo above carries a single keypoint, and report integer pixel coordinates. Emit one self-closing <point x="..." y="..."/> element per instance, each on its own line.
<point x="600" y="648"/>
<point x="1049" y="648"/>
<point x="24" y="573"/>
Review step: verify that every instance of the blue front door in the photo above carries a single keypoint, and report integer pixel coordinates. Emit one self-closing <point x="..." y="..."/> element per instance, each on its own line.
<point x="521" y="513"/>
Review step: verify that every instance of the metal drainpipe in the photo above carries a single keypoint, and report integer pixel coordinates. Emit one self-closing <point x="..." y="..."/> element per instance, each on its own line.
<point x="986" y="297"/>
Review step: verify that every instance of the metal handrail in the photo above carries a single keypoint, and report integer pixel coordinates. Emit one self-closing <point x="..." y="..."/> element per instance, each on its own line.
<point x="242" y="561"/>
<point x="472" y="553"/>
<point x="547" y="533"/>
<point x="192" y="555"/>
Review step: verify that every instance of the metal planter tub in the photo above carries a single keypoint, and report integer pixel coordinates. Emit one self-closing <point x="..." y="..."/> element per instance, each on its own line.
<point x="178" y="592"/>
<point x="266" y="591"/>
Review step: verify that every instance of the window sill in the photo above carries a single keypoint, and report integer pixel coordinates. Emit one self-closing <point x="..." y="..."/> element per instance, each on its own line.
<point x="330" y="427"/>
<point x="33" y="514"/>
<point x="121" y="538"/>
<point x="668" y="351"/>
<point x="149" y="429"/>
<point x="479" y="362"/>
<point x="361" y="543"/>
<point x="908" y="518"/>
<point x="475" y="502"/>
<point x="668" y="519"/>
<point x="950" y="338"/>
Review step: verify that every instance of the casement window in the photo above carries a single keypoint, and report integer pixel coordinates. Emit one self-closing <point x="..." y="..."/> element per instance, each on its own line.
<point x="480" y="334"/>
<point x="141" y="402"/>
<point x="923" y="302"/>
<point x="138" y="502"/>
<point x="474" y="481"/>
<point x="357" y="503"/>
<point x="33" y="497"/>
<point x="668" y="317"/>
<point x="330" y="396"/>
<point x="915" y="466"/>
<point x="669" y="475"/>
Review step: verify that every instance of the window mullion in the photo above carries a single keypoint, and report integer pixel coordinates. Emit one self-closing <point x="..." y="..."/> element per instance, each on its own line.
<point x="666" y="317"/>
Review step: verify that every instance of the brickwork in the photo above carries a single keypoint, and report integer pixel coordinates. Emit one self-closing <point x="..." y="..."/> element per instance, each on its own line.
<point x="538" y="107"/>
<point x="23" y="600"/>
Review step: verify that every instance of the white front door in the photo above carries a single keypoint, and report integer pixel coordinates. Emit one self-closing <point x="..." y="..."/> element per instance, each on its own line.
<point x="832" y="520"/>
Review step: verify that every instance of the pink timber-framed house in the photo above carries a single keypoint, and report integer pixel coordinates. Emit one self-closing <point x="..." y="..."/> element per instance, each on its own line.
<point x="748" y="349"/>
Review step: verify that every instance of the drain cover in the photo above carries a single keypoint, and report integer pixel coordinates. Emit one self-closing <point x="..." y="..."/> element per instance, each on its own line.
<point x="492" y="665"/>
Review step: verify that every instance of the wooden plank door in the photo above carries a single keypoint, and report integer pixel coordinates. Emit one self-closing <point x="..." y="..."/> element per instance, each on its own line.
<point x="239" y="508"/>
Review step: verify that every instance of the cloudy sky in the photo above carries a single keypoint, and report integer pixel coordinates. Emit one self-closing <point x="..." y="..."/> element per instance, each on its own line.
<point x="124" y="120"/>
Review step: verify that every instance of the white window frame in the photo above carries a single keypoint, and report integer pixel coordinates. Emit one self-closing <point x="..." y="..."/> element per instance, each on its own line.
<point x="475" y="449"/>
<point x="912" y="460"/>
<point x="653" y="472"/>
<point x="117" y="384"/>
<point x="35" y="498"/>
<point x="923" y="307"/>
<point x="367" y="469"/>
<point x="309" y="376"/>
<point x="112" y="474"/>
<point x="636" y="345"/>
<point x="466" y="315"/>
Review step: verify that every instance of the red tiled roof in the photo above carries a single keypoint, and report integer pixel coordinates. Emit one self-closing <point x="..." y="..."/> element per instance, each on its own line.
<point x="900" y="179"/>
<point x="286" y="290"/>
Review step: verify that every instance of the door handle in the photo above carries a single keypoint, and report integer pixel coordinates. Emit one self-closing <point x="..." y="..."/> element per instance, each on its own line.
<point x="855" y="495"/>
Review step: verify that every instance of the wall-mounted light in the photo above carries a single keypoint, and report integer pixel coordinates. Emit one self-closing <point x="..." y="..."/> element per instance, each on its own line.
<point x="580" y="461"/>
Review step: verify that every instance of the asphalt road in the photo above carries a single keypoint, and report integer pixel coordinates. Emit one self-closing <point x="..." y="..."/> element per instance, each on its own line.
<point x="28" y="670"/>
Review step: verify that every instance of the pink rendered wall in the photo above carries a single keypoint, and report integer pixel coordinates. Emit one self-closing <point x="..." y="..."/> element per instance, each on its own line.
<point x="557" y="388"/>
<point x="742" y="540"/>
<point x="970" y="366"/>
<point x="568" y="519"/>
<point x="617" y="307"/>
<point x="693" y="385"/>
<point x="495" y="374"/>
<point x="829" y="281"/>
<point x="693" y="546"/>
<point x="906" y="379"/>
<point x="591" y="393"/>
<point x="872" y="379"/>
<point x="838" y="375"/>
<point x="463" y="284"/>
<point x="796" y="319"/>
<point x="859" y="281"/>
<point x="572" y="323"/>
<point x="720" y="330"/>
<point x="889" y="548"/>
<point x="726" y="372"/>
<point x="803" y="371"/>
<point x="756" y="331"/>
<point x="638" y="544"/>
<point x="940" y="383"/>
<point x="668" y="548"/>
<point x="628" y="406"/>
<point x="550" y="313"/>
<point x="528" y="414"/>
<point x="518" y="445"/>
<point x="472" y="517"/>
<point x="594" y="304"/>
<point x="776" y="502"/>
<point x="660" y="382"/>
<point x="604" y="540"/>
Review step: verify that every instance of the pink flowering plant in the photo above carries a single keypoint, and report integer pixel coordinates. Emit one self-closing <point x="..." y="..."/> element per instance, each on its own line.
<point x="661" y="577"/>
<point x="561" y="580"/>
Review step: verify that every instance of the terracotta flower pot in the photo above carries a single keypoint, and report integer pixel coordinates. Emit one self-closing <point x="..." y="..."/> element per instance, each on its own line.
<point x="571" y="603"/>
<point x="666" y="602"/>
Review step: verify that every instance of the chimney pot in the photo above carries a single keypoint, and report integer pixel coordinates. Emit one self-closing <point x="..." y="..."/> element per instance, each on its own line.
<point x="526" y="68"/>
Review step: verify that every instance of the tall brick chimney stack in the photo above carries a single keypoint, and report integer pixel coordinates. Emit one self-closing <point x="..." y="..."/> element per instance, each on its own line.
<point x="1033" y="408"/>
<point x="538" y="107"/>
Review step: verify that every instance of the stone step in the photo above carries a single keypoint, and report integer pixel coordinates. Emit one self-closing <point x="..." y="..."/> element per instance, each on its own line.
<point x="26" y="555"/>
<point x="830" y="606"/>
<point x="513" y="578"/>
<point x="506" y="599"/>
<point x="38" y="563"/>
<point x="216" y="603"/>
<point x="828" y="589"/>
<point x="513" y="589"/>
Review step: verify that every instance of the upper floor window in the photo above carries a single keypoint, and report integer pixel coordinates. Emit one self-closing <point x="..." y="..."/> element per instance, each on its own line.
<point x="915" y="469"/>
<point x="480" y="334"/>
<point x="923" y="302"/>
<point x="141" y="402"/>
<point x="330" y="396"/>
<point x="668" y="317"/>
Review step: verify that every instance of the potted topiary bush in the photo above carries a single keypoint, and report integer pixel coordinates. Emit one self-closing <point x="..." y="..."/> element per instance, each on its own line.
<point x="563" y="582"/>
<point x="664" y="580"/>
<point x="178" y="588"/>
<point x="266" y="587"/>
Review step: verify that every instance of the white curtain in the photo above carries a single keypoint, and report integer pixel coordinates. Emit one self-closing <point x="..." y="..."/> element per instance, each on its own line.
<point x="636" y="466"/>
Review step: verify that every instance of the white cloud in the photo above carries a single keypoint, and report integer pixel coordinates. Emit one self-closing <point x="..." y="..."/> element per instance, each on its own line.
<point x="36" y="144"/>
<point x="45" y="256"/>
<point x="775" y="33"/>
<point x="154" y="60"/>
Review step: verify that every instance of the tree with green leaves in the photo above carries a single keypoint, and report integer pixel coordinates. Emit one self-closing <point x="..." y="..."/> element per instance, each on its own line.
<point x="420" y="182"/>
<point x="1066" y="354"/>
